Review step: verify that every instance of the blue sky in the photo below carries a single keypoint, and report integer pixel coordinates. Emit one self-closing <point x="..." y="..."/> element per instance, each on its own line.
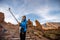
<point x="42" y="10"/>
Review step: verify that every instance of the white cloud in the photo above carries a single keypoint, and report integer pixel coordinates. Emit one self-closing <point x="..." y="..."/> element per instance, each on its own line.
<point x="44" y="12"/>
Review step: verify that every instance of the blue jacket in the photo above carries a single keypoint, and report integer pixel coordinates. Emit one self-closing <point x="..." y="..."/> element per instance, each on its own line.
<point x="23" y="25"/>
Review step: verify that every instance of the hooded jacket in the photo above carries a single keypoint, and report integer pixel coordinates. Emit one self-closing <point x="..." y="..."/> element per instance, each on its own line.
<point x="23" y="25"/>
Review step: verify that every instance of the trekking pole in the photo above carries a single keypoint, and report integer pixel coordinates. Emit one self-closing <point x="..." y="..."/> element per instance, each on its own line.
<point x="12" y="14"/>
<point x="14" y="18"/>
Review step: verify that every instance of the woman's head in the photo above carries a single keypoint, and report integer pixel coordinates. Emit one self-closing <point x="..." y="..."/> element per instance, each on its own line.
<point x="23" y="18"/>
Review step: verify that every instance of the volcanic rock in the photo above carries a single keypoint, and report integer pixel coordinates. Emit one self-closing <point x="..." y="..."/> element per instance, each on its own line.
<point x="1" y="17"/>
<point x="30" y="23"/>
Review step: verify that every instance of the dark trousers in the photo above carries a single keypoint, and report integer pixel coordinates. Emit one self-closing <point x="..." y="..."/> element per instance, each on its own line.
<point x="22" y="35"/>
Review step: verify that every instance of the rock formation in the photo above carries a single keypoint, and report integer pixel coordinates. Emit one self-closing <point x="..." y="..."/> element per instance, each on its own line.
<point x="1" y="17"/>
<point x="33" y="32"/>
<point x="30" y="23"/>
<point x="50" y="26"/>
<point x="38" y="25"/>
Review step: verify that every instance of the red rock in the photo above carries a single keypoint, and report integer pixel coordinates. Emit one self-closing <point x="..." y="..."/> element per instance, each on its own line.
<point x="1" y="17"/>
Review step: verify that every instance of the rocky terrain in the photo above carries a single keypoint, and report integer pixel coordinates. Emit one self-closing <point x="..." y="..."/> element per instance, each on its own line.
<point x="47" y="31"/>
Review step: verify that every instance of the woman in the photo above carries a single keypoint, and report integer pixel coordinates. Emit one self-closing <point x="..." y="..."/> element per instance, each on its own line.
<point x="23" y="26"/>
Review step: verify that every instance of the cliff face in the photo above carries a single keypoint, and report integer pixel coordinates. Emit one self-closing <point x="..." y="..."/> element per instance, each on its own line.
<point x="1" y="17"/>
<point x="33" y="32"/>
<point x="51" y="25"/>
<point x="11" y="29"/>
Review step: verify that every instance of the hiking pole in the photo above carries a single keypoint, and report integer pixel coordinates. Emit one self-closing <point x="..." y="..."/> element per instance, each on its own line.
<point x="12" y="14"/>
<point x="14" y="18"/>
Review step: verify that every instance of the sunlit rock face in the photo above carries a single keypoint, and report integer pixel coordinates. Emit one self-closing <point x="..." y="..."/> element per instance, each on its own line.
<point x="1" y="17"/>
<point x="38" y="25"/>
<point x="30" y="23"/>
